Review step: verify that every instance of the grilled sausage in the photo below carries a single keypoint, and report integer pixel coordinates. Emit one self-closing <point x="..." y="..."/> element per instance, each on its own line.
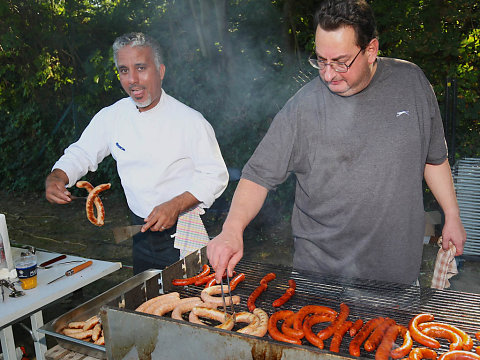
<point x="440" y="332"/>
<point x="165" y="297"/>
<point x="81" y="335"/>
<point x="185" y="306"/>
<point x="236" y="280"/>
<point x="386" y="344"/>
<point x="262" y="327"/>
<point x="287" y="328"/>
<point x="307" y="329"/>
<point x="190" y="281"/>
<point x="312" y="309"/>
<point x="207" y="297"/>
<point x="403" y="350"/>
<point x="96" y="331"/>
<point x="165" y="307"/>
<point x="252" y="320"/>
<point x="267" y="278"/>
<point x="357" y="325"/>
<point x="336" y="324"/>
<point x="376" y="336"/>
<point x="92" y="200"/>
<point x="273" y="330"/>
<point x="204" y="279"/>
<point x="284" y="298"/>
<point x="422" y="353"/>
<point x="459" y="355"/>
<point x="338" y="336"/>
<point x="466" y="339"/>
<point x="363" y="333"/>
<point x="76" y="324"/>
<point x="91" y="322"/>
<point x="214" y="314"/>
<point x="254" y="295"/>
<point x="417" y="335"/>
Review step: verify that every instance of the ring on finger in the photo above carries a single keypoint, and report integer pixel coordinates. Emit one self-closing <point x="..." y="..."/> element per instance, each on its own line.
<point x="162" y="227"/>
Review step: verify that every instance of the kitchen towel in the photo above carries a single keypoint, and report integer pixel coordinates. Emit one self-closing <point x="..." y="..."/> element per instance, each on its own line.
<point x="445" y="266"/>
<point x="191" y="234"/>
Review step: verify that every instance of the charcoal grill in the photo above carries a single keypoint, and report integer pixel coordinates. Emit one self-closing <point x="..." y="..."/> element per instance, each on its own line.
<point x="128" y="333"/>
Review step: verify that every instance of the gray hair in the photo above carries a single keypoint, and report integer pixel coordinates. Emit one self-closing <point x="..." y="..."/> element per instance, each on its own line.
<point x="137" y="39"/>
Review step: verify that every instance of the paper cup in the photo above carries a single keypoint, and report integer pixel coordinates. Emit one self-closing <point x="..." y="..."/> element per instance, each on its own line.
<point x="26" y="267"/>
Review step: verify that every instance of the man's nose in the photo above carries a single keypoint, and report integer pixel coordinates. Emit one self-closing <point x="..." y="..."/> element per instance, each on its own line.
<point x="329" y="73"/>
<point x="132" y="77"/>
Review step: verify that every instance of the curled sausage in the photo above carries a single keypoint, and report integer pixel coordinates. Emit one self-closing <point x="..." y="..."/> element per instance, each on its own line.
<point x="207" y="295"/>
<point x="254" y="295"/>
<point x="292" y="285"/>
<point x="190" y="281"/>
<point x="386" y="344"/>
<point x="166" y="297"/>
<point x="307" y="329"/>
<point x="312" y="309"/>
<point x="267" y="278"/>
<point x="236" y="280"/>
<point x="185" y="306"/>
<point x="417" y="335"/>
<point x="287" y="328"/>
<point x="252" y="320"/>
<point x="376" y="336"/>
<point x="92" y="200"/>
<point x="363" y="333"/>
<point x="214" y="314"/>
<point x="336" y="324"/>
<point x="166" y="307"/>
<point x="262" y="327"/>
<point x="273" y="329"/>
<point x="459" y="355"/>
<point x="440" y="332"/>
<point x="422" y="353"/>
<point x="406" y="346"/>
<point x="357" y="325"/>
<point x="338" y="336"/>
<point x="466" y="339"/>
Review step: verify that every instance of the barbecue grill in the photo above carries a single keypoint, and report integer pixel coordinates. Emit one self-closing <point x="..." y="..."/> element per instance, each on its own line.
<point x="129" y="333"/>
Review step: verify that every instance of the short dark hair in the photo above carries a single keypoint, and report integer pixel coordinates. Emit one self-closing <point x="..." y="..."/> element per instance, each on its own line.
<point x="137" y="39"/>
<point x="333" y="14"/>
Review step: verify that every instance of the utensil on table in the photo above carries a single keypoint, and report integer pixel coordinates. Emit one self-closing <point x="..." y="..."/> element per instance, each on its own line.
<point x="61" y="263"/>
<point x="73" y="270"/>
<point x="51" y="261"/>
<point x="13" y="290"/>
<point x="123" y="233"/>
<point x="233" y="314"/>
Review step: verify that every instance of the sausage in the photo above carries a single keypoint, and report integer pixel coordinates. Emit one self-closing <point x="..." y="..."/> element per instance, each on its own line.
<point x="422" y="353"/>
<point x="165" y="297"/>
<point x="163" y="308"/>
<point x="267" y="278"/>
<point x="386" y="344"/>
<point x="312" y="309"/>
<point x="376" y="336"/>
<point x="466" y="339"/>
<point x="445" y="333"/>
<point x="354" y="347"/>
<point x="307" y="329"/>
<point x="338" y="336"/>
<point x="96" y="331"/>
<point x="477" y="335"/>
<point x="91" y="322"/>
<point x="100" y="341"/>
<point x="459" y="355"/>
<point x="273" y="330"/>
<point x="76" y="324"/>
<point x="417" y="335"/>
<point x="287" y="328"/>
<point x="357" y="325"/>
<point x="81" y="335"/>
<point x="284" y="298"/>
<point x="207" y="297"/>
<point x="185" y="306"/>
<point x="262" y="327"/>
<point x="93" y="199"/>
<point x="214" y="314"/>
<point x="336" y="324"/>
<point x="252" y="320"/>
<point x="236" y="280"/>
<point x="210" y="283"/>
<point x="204" y="279"/>
<point x="254" y="295"/>
<point x="405" y="348"/>
<point x="190" y="281"/>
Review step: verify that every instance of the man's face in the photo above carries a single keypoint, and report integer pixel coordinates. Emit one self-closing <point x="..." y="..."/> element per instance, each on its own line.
<point x="340" y="45"/>
<point x="139" y="76"/>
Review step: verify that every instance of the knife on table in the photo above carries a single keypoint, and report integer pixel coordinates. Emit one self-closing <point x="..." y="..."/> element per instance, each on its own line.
<point x="73" y="270"/>
<point x="123" y="233"/>
<point x="51" y="261"/>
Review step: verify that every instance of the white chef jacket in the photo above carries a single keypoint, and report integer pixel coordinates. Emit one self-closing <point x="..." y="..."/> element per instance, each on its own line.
<point x="160" y="153"/>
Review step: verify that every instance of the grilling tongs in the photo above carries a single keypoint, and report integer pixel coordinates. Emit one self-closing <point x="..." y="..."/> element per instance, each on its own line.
<point x="233" y="315"/>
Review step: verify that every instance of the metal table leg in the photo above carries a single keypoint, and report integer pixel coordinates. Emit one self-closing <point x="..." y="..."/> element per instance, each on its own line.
<point x="40" y="342"/>
<point x="8" y="343"/>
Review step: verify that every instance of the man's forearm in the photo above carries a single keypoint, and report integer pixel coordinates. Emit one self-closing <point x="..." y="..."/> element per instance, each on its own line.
<point x="439" y="180"/>
<point x="185" y="201"/>
<point x="246" y="203"/>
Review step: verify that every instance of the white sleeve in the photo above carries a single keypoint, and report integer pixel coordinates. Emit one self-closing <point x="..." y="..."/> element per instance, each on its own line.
<point x="210" y="177"/>
<point x="85" y="154"/>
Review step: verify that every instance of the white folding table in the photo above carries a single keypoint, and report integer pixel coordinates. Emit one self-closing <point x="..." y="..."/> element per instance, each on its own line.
<point x="31" y="304"/>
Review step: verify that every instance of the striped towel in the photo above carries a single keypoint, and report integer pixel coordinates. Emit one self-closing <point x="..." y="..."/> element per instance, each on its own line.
<point x="191" y="234"/>
<point x="445" y="267"/>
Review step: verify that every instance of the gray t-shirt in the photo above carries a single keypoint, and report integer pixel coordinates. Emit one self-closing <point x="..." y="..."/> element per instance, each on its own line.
<point x="359" y="164"/>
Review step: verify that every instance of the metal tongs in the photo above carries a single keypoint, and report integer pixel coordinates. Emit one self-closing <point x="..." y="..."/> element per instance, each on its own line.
<point x="233" y="315"/>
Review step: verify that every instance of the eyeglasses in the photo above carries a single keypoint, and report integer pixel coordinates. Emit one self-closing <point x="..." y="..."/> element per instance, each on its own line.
<point x="336" y="65"/>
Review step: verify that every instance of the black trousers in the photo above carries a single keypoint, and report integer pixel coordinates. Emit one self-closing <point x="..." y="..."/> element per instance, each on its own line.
<point x="153" y="249"/>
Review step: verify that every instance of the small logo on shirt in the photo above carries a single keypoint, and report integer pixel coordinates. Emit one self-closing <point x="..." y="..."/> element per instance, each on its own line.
<point x="123" y="149"/>
<point x="404" y="112"/>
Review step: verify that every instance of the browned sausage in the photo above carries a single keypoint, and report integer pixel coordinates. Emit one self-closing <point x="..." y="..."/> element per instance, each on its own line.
<point x="376" y="336"/>
<point x="190" y="281"/>
<point x="459" y="355"/>
<point x="287" y="328"/>
<point x="357" y="325"/>
<point x="466" y="339"/>
<point x="262" y="328"/>
<point x="422" y="353"/>
<point x="336" y="324"/>
<point x="254" y="295"/>
<point x="417" y="335"/>
<point x="267" y="278"/>
<point x="403" y="350"/>
<point x="312" y="309"/>
<point x="273" y="330"/>
<point x="354" y="348"/>
<point x="440" y="332"/>
<point x="338" y="336"/>
<point x="386" y="344"/>
<point x="307" y="329"/>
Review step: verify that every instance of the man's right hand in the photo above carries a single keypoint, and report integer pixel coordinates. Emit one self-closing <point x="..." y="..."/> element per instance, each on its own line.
<point x="55" y="190"/>
<point x="224" y="252"/>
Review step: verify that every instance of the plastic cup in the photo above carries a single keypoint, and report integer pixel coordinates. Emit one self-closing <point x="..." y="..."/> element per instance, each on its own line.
<point x="26" y="267"/>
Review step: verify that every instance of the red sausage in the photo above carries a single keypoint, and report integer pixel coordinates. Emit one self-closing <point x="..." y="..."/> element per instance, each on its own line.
<point x="284" y="298"/>
<point x="459" y="355"/>
<point x="376" y="336"/>
<point x="336" y="324"/>
<point x="292" y="284"/>
<point x="466" y="339"/>
<point x="190" y="281"/>
<point x="273" y="330"/>
<point x="267" y="278"/>
<point x="236" y="280"/>
<point x="403" y="350"/>
<point x="357" y="325"/>
<point x="204" y="279"/>
<point x="338" y="336"/>
<point x="307" y="329"/>
<point x="312" y="309"/>
<point x="422" y="353"/>
<point x="288" y="330"/>
<point x="254" y="295"/>
<point x="354" y="348"/>
<point x="452" y="336"/>
<point x="383" y="351"/>
<point x="420" y="337"/>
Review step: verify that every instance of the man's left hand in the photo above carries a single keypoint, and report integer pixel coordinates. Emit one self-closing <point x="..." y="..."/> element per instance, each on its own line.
<point x="454" y="232"/>
<point x="162" y="217"/>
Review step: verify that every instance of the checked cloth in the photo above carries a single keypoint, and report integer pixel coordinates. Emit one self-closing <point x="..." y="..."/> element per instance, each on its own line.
<point x="445" y="267"/>
<point x="191" y="234"/>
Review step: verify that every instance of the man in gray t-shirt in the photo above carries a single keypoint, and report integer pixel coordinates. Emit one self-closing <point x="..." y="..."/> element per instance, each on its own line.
<point x="360" y="138"/>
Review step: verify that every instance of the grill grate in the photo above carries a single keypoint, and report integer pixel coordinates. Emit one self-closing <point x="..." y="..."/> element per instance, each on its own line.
<point x="366" y="299"/>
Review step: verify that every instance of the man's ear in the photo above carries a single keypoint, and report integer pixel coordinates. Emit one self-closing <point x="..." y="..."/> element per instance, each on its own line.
<point x="372" y="50"/>
<point x="161" y="70"/>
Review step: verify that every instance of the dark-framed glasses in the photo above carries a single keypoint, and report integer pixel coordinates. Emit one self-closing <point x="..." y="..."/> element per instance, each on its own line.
<point x="336" y="65"/>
